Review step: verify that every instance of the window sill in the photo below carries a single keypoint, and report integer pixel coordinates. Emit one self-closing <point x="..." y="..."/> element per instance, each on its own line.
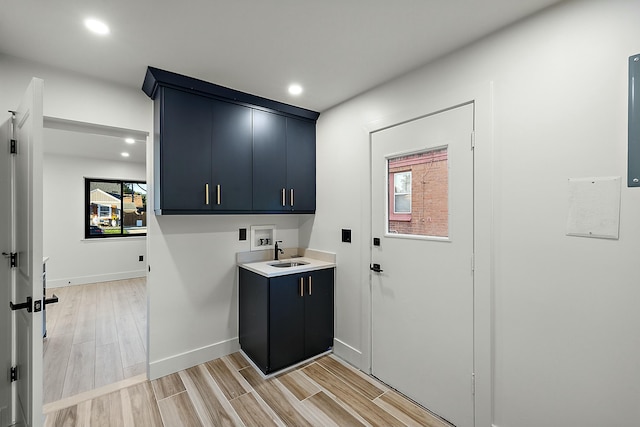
<point x="108" y="239"/>
<point x="400" y="217"/>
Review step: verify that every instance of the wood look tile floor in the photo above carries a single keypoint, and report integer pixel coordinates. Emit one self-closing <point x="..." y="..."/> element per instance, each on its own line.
<point x="230" y="392"/>
<point x="96" y="335"/>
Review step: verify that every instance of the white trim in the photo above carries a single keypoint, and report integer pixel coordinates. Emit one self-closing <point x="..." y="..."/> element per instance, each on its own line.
<point x="91" y="394"/>
<point x="83" y="280"/>
<point x="115" y="239"/>
<point x="93" y="128"/>
<point x="188" y="359"/>
<point x="347" y="353"/>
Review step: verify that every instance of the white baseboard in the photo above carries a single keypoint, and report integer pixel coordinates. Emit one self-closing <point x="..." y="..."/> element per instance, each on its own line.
<point x="179" y="362"/>
<point x="347" y="353"/>
<point x="83" y="280"/>
<point x="4" y="417"/>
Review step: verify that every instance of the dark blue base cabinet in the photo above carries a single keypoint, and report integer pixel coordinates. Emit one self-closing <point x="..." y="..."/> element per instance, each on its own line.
<point x="285" y="319"/>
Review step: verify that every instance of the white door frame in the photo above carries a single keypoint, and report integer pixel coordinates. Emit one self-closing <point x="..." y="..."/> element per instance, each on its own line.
<point x="482" y="98"/>
<point x="6" y="335"/>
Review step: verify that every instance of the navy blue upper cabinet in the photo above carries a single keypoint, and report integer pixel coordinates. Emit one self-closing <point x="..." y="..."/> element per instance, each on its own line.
<point x="204" y="154"/>
<point x="284" y="168"/>
<point x="301" y="165"/>
<point x="183" y="151"/>
<point x="232" y="157"/>
<point x="217" y="150"/>
<point x="269" y="161"/>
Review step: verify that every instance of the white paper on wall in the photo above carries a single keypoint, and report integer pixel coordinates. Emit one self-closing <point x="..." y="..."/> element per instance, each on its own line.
<point x="594" y="207"/>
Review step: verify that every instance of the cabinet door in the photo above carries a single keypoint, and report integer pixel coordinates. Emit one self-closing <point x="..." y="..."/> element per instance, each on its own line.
<point x="269" y="161"/>
<point x="286" y="321"/>
<point x="185" y="150"/>
<point x="301" y="165"/>
<point x="231" y="157"/>
<point x="318" y="311"/>
<point x="253" y="316"/>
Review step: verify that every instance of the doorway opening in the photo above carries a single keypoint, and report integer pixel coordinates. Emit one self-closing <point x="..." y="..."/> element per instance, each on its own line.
<point x="96" y="335"/>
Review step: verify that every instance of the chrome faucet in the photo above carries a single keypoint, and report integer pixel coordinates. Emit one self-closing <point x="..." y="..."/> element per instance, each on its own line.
<point x="278" y="250"/>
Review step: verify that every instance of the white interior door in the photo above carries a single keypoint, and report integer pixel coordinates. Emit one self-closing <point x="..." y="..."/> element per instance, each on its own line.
<point x="27" y="226"/>
<point x="422" y="300"/>
<point x="5" y="271"/>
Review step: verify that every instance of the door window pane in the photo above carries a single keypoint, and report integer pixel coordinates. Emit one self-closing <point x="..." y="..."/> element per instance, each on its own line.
<point x="419" y="194"/>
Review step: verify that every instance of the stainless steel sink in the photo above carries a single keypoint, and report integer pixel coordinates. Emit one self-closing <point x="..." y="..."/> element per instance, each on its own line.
<point x="288" y="264"/>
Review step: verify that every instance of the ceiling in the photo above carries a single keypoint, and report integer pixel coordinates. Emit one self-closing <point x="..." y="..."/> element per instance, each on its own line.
<point x="83" y="144"/>
<point x="335" y="49"/>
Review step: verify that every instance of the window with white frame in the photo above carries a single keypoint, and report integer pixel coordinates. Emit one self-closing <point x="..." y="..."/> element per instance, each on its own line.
<point x="115" y="208"/>
<point x="402" y="192"/>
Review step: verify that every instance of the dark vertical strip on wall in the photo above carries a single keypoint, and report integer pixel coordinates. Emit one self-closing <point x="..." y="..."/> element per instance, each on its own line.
<point x="633" y="177"/>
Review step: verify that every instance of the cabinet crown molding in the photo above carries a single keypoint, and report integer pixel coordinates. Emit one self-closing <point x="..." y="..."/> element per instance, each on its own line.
<point x="156" y="77"/>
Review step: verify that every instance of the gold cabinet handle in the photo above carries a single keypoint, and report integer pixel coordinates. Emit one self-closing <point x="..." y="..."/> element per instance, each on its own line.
<point x="302" y="286"/>
<point x="218" y="193"/>
<point x="283" y="201"/>
<point x="206" y="194"/>
<point x="309" y="285"/>
<point x="292" y="197"/>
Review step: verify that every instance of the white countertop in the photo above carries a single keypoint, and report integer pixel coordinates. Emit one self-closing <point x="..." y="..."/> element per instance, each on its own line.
<point x="264" y="268"/>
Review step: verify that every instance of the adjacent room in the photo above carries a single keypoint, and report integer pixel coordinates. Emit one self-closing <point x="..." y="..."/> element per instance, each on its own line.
<point x="95" y="230"/>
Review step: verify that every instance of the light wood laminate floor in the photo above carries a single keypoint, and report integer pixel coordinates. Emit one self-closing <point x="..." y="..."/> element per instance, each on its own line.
<point x="230" y="392"/>
<point x="96" y="335"/>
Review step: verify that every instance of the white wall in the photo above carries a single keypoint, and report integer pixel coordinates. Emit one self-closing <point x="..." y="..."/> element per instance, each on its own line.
<point x="73" y="259"/>
<point x="192" y="285"/>
<point x="76" y="97"/>
<point x="565" y="309"/>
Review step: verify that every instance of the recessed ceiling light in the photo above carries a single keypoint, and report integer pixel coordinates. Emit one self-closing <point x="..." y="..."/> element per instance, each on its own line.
<point x="130" y="141"/>
<point x="124" y="154"/>
<point x="96" y="26"/>
<point x="295" y="89"/>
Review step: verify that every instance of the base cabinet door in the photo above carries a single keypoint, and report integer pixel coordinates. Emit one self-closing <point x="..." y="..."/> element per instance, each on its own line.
<point x="253" y="314"/>
<point x="318" y="312"/>
<point x="286" y="325"/>
<point x="287" y="319"/>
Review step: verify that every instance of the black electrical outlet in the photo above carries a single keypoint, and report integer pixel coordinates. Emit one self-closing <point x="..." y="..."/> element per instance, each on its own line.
<point x="376" y="241"/>
<point x="242" y="234"/>
<point x="346" y="235"/>
<point x="141" y="258"/>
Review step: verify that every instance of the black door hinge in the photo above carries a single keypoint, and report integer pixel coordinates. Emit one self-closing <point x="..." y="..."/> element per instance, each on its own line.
<point x="13" y="373"/>
<point x="14" y="146"/>
<point x="13" y="258"/>
<point x="376" y="268"/>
